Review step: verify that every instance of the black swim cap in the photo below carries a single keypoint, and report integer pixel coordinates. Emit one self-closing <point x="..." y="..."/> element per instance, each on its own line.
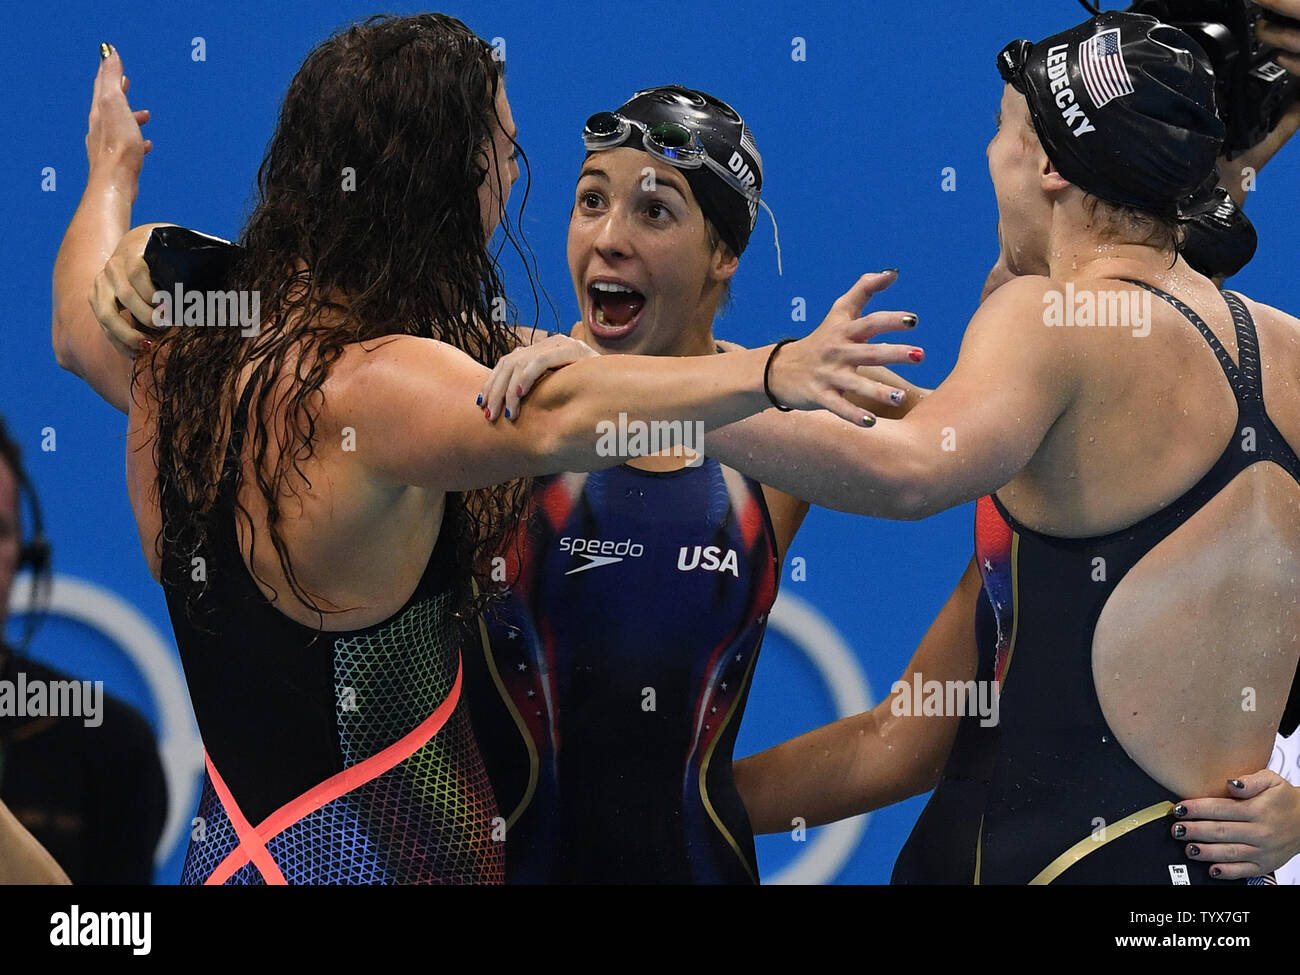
<point x="728" y="142"/>
<point x="1124" y="107"/>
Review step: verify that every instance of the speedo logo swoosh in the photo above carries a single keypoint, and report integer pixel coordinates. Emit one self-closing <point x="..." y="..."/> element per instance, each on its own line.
<point x="599" y="552"/>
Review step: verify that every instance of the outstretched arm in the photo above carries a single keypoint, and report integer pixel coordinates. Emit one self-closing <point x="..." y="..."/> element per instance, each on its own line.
<point x="116" y="149"/>
<point x="872" y="759"/>
<point x="969" y="437"/>
<point x="415" y="406"/>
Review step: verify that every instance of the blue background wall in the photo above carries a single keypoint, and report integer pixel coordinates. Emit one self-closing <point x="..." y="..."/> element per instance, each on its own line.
<point x="854" y="141"/>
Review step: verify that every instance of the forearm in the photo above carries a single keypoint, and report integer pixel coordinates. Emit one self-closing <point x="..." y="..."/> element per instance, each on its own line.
<point x="22" y="859"/>
<point x="815" y="777"/>
<point x="875" y="758"/>
<point x="101" y="218"/>
<point x="969" y="437"/>
<point x="413" y="402"/>
<point x="608" y="391"/>
<point x="826" y="461"/>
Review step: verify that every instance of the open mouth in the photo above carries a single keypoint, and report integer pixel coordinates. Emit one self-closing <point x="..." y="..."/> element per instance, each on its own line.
<point x="615" y="308"/>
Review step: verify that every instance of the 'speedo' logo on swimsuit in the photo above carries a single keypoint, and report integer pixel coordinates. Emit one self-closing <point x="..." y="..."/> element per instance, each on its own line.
<point x="598" y="552"/>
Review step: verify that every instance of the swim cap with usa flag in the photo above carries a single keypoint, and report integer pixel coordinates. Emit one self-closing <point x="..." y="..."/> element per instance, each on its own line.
<point x="1124" y="107"/>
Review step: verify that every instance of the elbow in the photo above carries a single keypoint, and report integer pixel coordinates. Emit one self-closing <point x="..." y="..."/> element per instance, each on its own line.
<point x="63" y="353"/>
<point x="555" y="442"/>
<point x="564" y="436"/>
<point x="906" y="492"/>
<point x="919" y="487"/>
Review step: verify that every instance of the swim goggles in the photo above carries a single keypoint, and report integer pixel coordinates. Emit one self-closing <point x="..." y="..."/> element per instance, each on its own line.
<point x="672" y="142"/>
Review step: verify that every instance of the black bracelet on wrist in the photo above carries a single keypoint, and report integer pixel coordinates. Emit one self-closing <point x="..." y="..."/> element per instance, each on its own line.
<point x="767" y="375"/>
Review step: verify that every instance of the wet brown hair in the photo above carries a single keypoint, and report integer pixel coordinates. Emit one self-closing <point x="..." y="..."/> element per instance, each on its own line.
<point x="407" y="104"/>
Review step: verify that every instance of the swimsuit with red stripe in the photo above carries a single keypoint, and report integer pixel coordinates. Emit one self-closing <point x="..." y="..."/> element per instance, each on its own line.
<point x="331" y="757"/>
<point x="609" y="687"/>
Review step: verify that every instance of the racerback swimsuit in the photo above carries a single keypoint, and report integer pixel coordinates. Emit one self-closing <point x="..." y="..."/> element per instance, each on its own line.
<point x="1049" y="795"/>
<point x="330" y="757"/>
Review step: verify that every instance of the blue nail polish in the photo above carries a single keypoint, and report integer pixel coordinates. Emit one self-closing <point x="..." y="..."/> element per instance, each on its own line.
<point x="507" y="412"/>
<point x="479" y="401"/>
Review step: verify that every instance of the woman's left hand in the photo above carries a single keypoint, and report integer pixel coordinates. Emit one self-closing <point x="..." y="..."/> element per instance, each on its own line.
<point x="1250" y="834"/>
<point x="517" y="372"/>
<point x="114" y="144"/>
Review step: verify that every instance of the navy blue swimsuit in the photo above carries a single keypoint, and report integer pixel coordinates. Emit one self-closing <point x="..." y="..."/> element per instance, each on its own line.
<point x="1021" y="802"/>
<point x="607" y="691"/>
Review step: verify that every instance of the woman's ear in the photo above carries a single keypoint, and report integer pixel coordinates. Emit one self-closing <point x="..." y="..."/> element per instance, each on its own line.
<point x="1051" y="180"/>
<point x="723" y="263"/>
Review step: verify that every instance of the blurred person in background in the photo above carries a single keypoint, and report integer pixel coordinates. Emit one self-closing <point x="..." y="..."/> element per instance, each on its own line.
<point x="88" y="786"/>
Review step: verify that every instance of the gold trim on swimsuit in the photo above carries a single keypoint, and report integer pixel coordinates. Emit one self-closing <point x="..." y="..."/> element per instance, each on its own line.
<point x="1088" y="845"/>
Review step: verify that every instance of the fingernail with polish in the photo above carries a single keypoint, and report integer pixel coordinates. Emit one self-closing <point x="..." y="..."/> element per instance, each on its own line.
<point x="1237" y="783"/>
<point x="1180" y="831"/>
<point x="507" y="412"/>
<point x="519" y="390"/>
<point x="868" y="420"/>
<point x="890" y="270"/>
<point x="1180" y="810"/>
<point x="146" y="344"/>
<point x="479" y="401"/>
<point x="909" y="321"/>
<point x="916" y="355"/>
<point x="1215" y="871"/>
<point x="1193" y="850"/>
<point x="487" y="412"/>
<point x="105" y="50"/>
<point x="897" y="397"/>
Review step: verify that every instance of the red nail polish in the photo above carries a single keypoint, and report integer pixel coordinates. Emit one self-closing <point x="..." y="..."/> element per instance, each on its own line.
<point x="916" y="355"/>
<point x="146" y="344"/>
<point x="519" y="390"/>
<point x="487" y="412"/>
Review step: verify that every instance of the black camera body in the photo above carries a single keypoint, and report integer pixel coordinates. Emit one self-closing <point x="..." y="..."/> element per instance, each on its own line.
<point x="1254" y="91"/>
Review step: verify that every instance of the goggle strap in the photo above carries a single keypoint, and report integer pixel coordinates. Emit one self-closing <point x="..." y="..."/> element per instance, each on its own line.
<point x="776" y="236"/>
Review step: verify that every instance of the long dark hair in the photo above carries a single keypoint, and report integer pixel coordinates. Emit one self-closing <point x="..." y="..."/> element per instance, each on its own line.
<point x="367" y="223"/>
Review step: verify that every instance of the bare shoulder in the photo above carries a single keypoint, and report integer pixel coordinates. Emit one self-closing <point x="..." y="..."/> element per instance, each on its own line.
<point x="1011" y="322"/>
<point x="1017" y="308"/>
<point x="1023" y="290"/>
<point x="367" y="367"/>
